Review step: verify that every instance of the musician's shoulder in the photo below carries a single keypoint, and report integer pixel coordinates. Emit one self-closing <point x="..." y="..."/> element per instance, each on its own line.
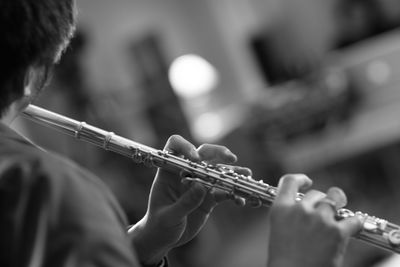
<point x="28" y="165"/>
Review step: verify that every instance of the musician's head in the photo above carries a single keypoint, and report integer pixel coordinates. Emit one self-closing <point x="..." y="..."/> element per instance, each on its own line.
<point x="33" y="34"/>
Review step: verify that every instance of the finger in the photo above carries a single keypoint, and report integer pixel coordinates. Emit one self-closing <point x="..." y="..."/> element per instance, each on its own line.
<point x="188" y="202"/>
<point x="213" y="197"/>
<point x="312" y="197"/>
<point x="335" y="199"/>
<point x="241" y="202"/>
<point x="237" y="169"/>
<point x="218" y="195"/>
<point x="351" y="225"/>
<point x="213" y="154"/>
<point x="337" y="195"/>
<point x="199" y="216"/>
<point x="242" y="170"/>
<point x="179" y="146"/>
<point x="288" y="187"/>
<point x="327" y="208"/>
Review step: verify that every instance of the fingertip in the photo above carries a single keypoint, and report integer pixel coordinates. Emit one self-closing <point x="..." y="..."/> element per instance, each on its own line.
<point x="171" y="142"/>
<point x="179" y="146"/>
<point x="307" y="182"/>
<point x="194" y="154"/>
<point x="216" y="154"/>
<point x="301" y="180"/>
<point x="239" y="201"/>
<point x="337" y="195"/>
<point x="289" y="185"/>
<point x="230" y="156"/>
<point x="248" y="171"/>
<point x="243" y="171"/>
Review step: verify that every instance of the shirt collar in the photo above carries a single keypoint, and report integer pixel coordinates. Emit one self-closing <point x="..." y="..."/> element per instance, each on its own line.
<point x="6" y="132"/>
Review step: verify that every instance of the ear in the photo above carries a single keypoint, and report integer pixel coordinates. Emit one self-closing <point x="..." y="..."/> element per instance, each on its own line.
<point x="28" y="85"/>
<point x="28" y="81"/>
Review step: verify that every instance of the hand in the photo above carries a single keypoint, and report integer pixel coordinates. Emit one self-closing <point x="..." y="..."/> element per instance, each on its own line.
<point x="305" y="233"/>
<point x="177" y="211"/>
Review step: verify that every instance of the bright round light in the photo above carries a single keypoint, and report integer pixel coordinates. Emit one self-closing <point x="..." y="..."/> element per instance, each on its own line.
<point x="191" y="76"/>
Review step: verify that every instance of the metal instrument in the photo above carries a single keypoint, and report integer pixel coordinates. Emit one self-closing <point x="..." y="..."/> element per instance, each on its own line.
<point x="376" y="231"/>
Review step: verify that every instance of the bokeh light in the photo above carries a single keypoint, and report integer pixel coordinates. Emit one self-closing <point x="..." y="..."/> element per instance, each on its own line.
<point x="191" y="76"/>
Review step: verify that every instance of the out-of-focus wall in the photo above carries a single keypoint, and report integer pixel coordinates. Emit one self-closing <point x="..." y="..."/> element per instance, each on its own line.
<point x="207" y="28"/>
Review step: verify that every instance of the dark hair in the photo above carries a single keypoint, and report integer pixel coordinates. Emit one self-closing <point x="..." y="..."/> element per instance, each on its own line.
<point x="32" y="33"/>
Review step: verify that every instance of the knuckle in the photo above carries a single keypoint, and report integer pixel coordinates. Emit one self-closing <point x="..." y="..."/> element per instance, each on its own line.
<point x="306" y="209"/>
<point x="203" y="147"/>
<point x="206" y="149"/>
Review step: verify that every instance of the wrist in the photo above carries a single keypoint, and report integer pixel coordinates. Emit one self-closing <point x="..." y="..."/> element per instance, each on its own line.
<point x="146" y="244"/>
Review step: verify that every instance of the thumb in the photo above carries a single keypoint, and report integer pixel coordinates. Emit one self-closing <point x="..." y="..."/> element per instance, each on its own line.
<point x="351" y="226"/>
<point x="188" y="202"/>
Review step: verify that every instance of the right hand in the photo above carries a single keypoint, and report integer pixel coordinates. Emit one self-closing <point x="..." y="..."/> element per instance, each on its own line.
<point x="177" y="211"/>
<point x="305" y="233"/>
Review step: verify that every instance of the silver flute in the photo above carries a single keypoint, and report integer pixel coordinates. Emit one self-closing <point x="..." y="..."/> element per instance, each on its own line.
<point x="375" y="231"/>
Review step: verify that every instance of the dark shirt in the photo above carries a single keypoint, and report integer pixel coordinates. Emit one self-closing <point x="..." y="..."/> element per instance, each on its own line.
<point x="54" y="213"/>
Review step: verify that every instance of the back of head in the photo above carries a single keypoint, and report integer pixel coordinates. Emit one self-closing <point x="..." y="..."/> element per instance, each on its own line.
<point x="33" y="33"/>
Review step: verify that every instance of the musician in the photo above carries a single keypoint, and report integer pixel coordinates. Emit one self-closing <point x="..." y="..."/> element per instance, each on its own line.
<point x="55" y="213"/>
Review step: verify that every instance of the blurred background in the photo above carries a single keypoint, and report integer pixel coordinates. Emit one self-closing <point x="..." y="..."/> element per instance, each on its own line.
<point x="289" y="85"/>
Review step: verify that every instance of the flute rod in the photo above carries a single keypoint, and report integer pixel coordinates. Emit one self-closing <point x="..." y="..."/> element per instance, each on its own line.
<point x="375" y="231"/>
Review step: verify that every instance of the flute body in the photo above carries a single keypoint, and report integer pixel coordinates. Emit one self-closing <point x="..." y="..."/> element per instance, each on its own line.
<point x="375" y="231"/>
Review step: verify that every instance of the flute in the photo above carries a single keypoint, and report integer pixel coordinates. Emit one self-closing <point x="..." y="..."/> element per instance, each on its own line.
<point x="375" y="231"/>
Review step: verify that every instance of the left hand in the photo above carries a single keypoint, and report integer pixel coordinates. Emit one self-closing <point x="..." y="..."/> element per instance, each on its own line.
<point x="177" y="211"/>
<point x="306" y="233"/>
